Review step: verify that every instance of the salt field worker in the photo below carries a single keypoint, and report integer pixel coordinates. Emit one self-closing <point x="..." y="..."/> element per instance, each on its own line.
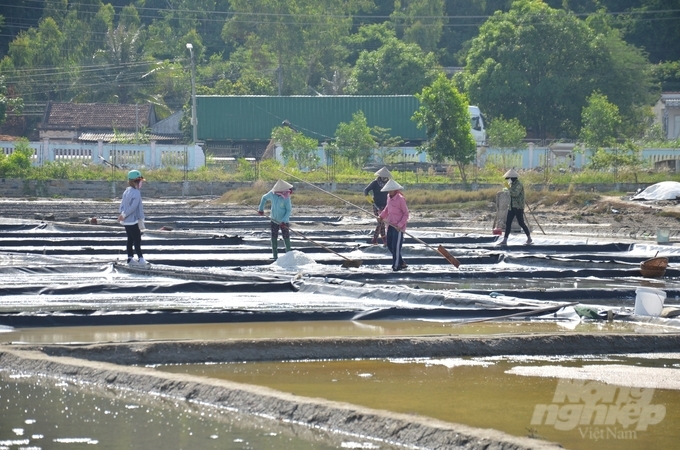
<point x="131" y="216"/>
<point x="515" y="207"/>
<point x="379" y="201"/>
<point x="396" y="216"/>
<point x="281" y="207"/>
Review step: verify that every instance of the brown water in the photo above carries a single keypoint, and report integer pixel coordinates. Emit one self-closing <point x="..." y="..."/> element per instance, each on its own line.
<point x="478" y="392"/>
<point x="305" y="329"/>
<point x="36" y="414"/>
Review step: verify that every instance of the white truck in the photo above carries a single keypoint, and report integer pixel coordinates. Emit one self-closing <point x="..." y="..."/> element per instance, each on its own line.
<point x="478" y="127"/>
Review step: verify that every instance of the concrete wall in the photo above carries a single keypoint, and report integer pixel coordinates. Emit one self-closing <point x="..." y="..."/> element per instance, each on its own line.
<point x="15" y="188"/>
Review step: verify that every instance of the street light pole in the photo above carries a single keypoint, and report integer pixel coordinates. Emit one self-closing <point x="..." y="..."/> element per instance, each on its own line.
<point x="194" y="120"/>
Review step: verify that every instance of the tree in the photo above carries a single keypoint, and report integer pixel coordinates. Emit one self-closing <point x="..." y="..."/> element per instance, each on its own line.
<point x="387" y="146"/>
<point x="601" y="122"/>
<point x="354" y="141"/>
<point x="394" y="68"/>
<point x="234" y="77"/>
<point x="297" y="147"/>
<point x="627" y="80"/>
<point x="444" y="114"/>
<point x="124" y="67"/>
<point x="422" y="21"/>
<point x="510" y="71"/>
<point x="469" y="16"/>
<point x="298" y="41"/>
<point x="19" y="162"/>
<point x="506" y="134"/>
<point x="654" y="26"/>
<point x="39" y="49"/>
<point x="667" y="74"/>
<point x="8" y="103"/>
<point x="601" y="128"/>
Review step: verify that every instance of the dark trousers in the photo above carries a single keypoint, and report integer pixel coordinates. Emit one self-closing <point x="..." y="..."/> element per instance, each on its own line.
<point x="395" y="239"/>
<point x="380" y="228"/>
<point x="275" y="227"/>
<point x="512" y="213"/>
<point x="134" y="239"/>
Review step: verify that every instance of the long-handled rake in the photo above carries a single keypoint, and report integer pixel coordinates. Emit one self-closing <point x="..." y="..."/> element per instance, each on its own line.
<point x="346" y="263"/>
<point x="534" y="216"/>
<point x="441" y="250"/>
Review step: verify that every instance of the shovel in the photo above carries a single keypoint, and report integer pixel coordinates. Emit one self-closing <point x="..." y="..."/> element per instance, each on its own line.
<point x="346" y="263"/>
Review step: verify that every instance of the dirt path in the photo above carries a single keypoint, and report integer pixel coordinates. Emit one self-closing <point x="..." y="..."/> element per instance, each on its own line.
<point x="608" y="217"/>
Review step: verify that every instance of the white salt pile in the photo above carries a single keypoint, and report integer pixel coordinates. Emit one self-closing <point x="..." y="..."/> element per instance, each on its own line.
<point x="293" y="260"/>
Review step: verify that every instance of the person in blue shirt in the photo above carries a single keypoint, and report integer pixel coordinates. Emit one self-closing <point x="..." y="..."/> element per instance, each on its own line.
<point x="281" y="207"/>
<point x="131" y="216"/>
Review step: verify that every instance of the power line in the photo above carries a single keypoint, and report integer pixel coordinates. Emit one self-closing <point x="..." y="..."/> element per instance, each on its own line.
<point x="222" y="15"/>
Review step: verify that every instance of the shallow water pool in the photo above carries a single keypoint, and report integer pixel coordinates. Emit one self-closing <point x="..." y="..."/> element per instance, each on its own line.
<point x="481" y="392"/>
<point x="36" y="414"/>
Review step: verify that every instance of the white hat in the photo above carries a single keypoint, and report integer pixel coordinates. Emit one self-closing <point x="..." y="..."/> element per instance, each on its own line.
<point x="281" y="186"/>
<point x="512" y="173"/>
<point x="392" y="186"/>
<point x="383" y="173"/>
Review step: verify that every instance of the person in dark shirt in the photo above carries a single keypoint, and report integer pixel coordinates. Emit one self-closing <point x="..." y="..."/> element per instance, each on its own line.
<point x="515" y="207"/>
<point x="379" y="201"/>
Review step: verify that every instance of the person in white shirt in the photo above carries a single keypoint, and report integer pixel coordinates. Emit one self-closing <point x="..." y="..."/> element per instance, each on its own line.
<point x="132" y="217"/>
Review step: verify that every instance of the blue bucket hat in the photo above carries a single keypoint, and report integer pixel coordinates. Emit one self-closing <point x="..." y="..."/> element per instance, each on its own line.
<point x="135" y="175"/>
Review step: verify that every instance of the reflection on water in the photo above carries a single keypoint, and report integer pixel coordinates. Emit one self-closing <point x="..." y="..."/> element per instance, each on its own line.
<point x="35" y="415"/>
<point x="304" y="329"/>
<point x="478" y="392"/>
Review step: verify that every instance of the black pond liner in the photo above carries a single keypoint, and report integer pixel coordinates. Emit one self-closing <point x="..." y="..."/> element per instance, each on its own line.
<point x="601" y="295"/>
<point x="481" y="260"/>
<point x="93" y="317"/>
<point x="152" y="288"/>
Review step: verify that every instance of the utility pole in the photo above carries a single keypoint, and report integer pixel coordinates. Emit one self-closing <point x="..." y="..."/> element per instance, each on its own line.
<point x="194" y="120"/>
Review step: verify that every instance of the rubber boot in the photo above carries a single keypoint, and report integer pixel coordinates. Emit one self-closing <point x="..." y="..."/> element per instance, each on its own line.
<point x="287" y="242"/>
<point x="275" y="248"/>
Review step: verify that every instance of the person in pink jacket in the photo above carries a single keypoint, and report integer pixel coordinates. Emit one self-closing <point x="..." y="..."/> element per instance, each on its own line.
<point x="396" y="216"/>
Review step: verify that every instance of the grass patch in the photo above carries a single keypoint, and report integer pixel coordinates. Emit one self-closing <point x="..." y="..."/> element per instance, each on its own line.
<point x="673" y="214"/>
<point x="553" y="198"/>
<point x="416" y="199"/>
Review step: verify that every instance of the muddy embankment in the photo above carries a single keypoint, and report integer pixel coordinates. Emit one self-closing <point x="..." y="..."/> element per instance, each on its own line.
<point x="111" y="367"/>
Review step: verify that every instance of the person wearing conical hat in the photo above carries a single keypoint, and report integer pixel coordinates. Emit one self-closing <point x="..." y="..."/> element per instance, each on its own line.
<point x="396" y="215"/>
<point x="131" y="216"/>
<point x="515" y="207"/>
<point x="281" y="207"/>
<point x="378" y="201"/>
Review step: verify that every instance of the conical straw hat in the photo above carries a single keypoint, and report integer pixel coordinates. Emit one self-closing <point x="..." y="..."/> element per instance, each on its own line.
<point x="392" y="186"/>
<point x="383" y="173"/>
<point x="512" y="173"/>
<point x="281" y="186"/>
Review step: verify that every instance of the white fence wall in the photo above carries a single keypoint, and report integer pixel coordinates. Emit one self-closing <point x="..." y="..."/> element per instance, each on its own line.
<point x="190" y="157"/>
<point x="151" y="155"/>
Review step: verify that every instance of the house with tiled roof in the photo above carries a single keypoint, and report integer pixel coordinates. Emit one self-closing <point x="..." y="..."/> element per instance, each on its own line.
<point x="667" y="113"/>
<point x="102" y="122"/>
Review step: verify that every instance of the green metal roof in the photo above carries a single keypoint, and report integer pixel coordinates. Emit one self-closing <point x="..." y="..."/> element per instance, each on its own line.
<point x="252" y="117"/>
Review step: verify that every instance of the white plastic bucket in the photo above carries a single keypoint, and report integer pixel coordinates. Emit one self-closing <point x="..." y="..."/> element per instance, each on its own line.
<point x="663" y="235"/>
<point x="649" y="301"/>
